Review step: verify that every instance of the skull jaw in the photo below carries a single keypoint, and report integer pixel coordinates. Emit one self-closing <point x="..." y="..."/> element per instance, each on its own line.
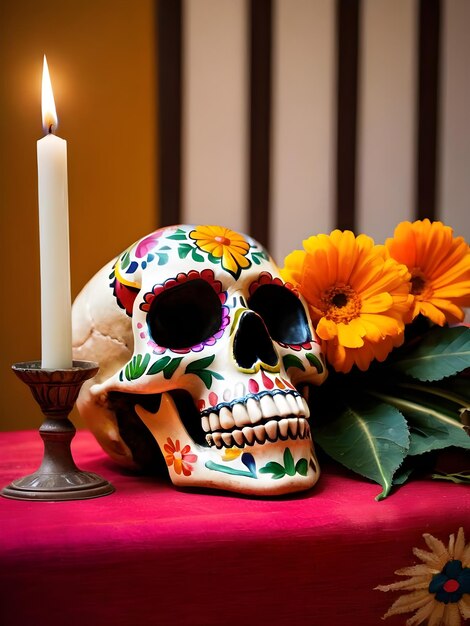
<point x="268" y="469"/>
<point x="234" y="475"/>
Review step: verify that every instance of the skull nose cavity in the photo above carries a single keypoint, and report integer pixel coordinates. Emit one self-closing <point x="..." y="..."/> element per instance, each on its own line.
<point x="252" y="342"/>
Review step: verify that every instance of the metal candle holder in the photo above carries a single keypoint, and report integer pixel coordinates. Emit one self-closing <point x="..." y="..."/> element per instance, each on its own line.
<point x="58" y="478"/>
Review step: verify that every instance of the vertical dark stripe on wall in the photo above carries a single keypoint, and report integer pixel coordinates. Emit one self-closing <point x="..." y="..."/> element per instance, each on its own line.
<point x="347" y="42"/>
<point x="169" y="50"/>
<point x="260" y="118"/>
<point x="428" y="108"/>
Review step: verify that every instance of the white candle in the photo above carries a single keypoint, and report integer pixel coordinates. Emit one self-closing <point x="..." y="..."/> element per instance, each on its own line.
<point x="56" y="322"/>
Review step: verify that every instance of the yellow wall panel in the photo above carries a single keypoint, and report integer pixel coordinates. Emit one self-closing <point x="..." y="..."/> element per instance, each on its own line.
<point x="101" y="56"/>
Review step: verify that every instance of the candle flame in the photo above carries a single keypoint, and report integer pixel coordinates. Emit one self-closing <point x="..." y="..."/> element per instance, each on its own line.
<point x="49" y="115"/>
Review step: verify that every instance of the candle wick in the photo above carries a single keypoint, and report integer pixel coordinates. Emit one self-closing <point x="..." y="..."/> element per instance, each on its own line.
<point x="50" y="129"/>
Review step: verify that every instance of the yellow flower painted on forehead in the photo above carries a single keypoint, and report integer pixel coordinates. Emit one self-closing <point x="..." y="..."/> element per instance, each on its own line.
<point x="440" y="269"/>
<point x="225" y="245"/>
<point x="357" y="296"/>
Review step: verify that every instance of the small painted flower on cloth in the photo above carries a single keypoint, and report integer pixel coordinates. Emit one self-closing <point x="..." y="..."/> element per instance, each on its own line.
<point x="224" y="245"/>
<point x="439" y="586"/>
<point x="440" y="269"/>
<point x="181" y="459"/>
<point x="357" y="296"/>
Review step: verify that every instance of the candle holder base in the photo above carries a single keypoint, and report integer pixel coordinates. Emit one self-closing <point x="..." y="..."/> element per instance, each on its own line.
<point x="75" y="485"/>
<point x="58" y="478"/>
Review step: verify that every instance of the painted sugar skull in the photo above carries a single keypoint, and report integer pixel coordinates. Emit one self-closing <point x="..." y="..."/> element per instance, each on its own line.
<point x="202" y="350"/>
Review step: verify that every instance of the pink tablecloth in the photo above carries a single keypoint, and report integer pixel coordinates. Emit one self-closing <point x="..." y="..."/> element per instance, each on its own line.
<point x="151" y="555"/>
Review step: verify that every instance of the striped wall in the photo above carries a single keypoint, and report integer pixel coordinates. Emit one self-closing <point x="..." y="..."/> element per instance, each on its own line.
<point x="284" y="118"/>
<point x="386" y="119"/>
<point x="454" y="137"/>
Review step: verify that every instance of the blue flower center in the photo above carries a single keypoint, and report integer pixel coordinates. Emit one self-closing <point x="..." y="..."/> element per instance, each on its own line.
<point x="450" y="584"/>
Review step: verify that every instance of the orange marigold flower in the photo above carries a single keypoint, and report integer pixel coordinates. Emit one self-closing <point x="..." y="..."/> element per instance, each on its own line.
<point x="440" y="269"/>
<point x="357" y="296"/>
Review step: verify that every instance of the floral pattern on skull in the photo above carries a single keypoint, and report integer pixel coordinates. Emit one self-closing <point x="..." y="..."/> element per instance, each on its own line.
<point x="211" y="350"/>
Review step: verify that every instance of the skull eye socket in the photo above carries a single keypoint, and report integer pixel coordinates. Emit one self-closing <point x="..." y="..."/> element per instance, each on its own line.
<point x="185" y="315"/>
<point x="283" y="314"/>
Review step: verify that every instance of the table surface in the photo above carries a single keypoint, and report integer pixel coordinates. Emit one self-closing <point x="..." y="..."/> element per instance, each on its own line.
<point x="151" y="554"/>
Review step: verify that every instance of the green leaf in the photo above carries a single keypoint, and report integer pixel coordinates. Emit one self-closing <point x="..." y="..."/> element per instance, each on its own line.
<point x="199" y="368"/>
<point x="449" y="391"/>
<point x="172" y="366"/>
<point x="183" y="250"/>
<point x="167" y="365"/>
<point x="125" y="260"/>
<point x="273" y="468"/>
<point x="458" y="385"/>
<point x="178" y="235"/>
<point x="290" y="360"/>
<point x="214" y="259"/>
<point x="162" y="258"/>
<point x="260" y="255"/>
<point x="432" y="427"/>
<point x="402" y="474"/>
<point x="289" y="462"/>
<point x="370" y="438"/>
<point x="196" y="256"/>
<point x="216" y="375"/>
<point x="443" y="352"/>
<point x="229" y="470"/>
<point x="301" y="467"/>
<point x="459" y="477"/>
<point x="159" y="365"/>
<point x="200" y="364"/>
<point x="315" y="361"/>
<point x="137" y="366"/>
<point x="205" y="376"/>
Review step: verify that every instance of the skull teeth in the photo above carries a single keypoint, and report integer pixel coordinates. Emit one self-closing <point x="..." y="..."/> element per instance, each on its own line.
<point x="254" y="410"/>
<point x="226" y="418"/>
<point x="249" y="435"/>
<point x="214" y="422"/>
<point x="268" y="407"/>
<point x="257" y="420"/>
<point x="281" y="405"/>
<point x="241" y="415"/>
<point x="291" y="428"/>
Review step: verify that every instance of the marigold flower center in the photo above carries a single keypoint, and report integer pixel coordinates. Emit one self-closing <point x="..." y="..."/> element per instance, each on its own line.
<point x="341" y="303"/>
<point x="340" y="300"/>
<point x="419" y="284"/>
<point x="222" y="240"/>
<point x="451" y="585"/>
